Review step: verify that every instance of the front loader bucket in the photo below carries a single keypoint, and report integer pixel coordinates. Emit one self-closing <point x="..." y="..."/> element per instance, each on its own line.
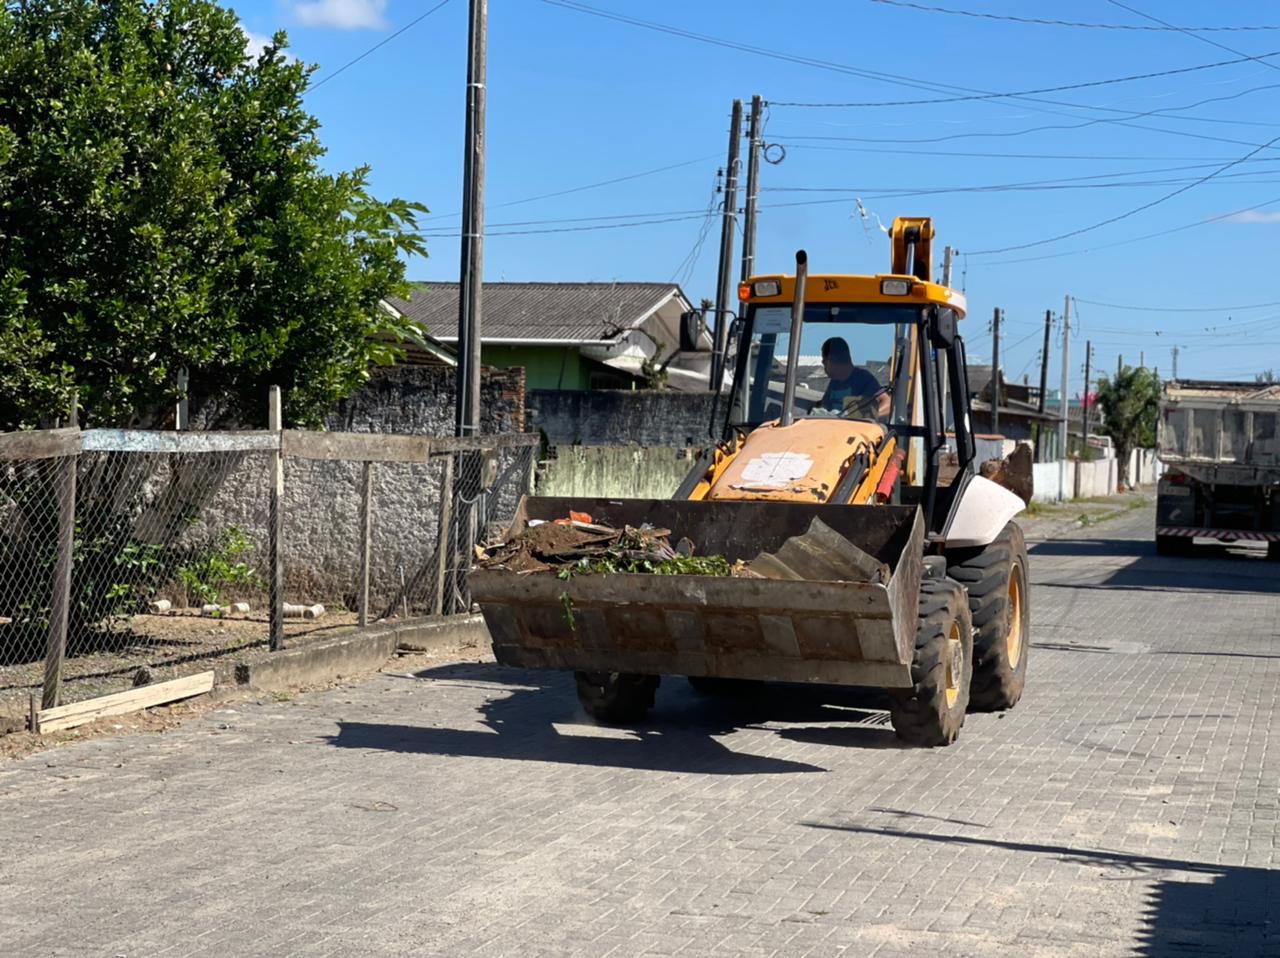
<point x="838" y="632"/>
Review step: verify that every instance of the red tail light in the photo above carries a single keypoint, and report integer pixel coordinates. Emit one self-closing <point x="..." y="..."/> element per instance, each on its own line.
<point x="1177" y="478"/>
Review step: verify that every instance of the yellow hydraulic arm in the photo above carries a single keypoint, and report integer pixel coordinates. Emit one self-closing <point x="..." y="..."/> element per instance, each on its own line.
<point x="912" y="241"/>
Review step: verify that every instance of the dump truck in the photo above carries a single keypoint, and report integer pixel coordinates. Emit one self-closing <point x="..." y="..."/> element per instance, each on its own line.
<point x="1219" y="443"/>
<point x="831" y="433"/>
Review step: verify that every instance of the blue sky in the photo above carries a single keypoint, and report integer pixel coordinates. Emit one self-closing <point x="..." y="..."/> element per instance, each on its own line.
<point x="576" y="99"/>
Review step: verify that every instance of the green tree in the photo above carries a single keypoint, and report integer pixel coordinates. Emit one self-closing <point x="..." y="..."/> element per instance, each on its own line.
<point x="1130" y="403"/>
<point x="1267" y="377"/>
<point x="162" y="205"/>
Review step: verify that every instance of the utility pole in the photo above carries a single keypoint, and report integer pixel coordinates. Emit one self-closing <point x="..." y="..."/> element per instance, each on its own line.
<point x="471" y="280"/>
<point x="1044" y="378"/>
<point x="948" y="255"/>
<point x="1142" y="359"/>
<point x="1119" y="365"/>
<point x="1066" y="377"/>
<point x="1175" y="362"/>
<point x="995" y="370"/>
<point x="1088" y="359"/>
<point x="754" y="146"/>
<point x="724" y="278"/>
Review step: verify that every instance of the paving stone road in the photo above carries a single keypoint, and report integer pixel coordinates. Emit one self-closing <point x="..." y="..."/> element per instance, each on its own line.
<point x="1128" y="806"/>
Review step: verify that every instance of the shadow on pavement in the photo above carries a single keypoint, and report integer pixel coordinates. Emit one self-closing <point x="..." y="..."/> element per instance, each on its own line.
<point x="1226" y="910"/>
<point x="1208" y="569"/>
<point x="681" y="734"/>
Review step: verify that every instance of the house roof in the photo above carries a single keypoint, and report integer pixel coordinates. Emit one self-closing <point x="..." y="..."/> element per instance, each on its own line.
<point x="552" y="313"/>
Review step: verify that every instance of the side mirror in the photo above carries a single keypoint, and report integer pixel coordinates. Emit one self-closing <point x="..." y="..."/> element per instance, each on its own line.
<point x="692" y="326"/>
<point x="942" y="328"/>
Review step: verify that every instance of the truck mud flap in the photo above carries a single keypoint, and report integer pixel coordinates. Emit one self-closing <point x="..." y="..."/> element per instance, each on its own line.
<point x="845" y="633"/>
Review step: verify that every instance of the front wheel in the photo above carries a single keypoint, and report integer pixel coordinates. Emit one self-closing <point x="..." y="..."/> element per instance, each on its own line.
<point x="932" y="711"/>
<point x="616" y="698"/>
<point x="995" y="577"/>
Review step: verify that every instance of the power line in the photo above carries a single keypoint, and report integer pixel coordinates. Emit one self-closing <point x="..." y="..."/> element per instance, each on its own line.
<point x="895" y="79"/>
<point x="1008" y="156"/>
<point x="1128" y="213"/>
<point x="585" y="186"/>
<point x="1026" y="93"/>
<point x="1175" y="309"/>
<point x="1138" y="239"/>
<point x="1070" y="23"/>
<point x="1187" y="31"/>
<point x="579" y="229"/>
<point x="377" y="46"/>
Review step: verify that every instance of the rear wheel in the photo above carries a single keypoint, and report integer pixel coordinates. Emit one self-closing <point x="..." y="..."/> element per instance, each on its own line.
<point x="932" y="711"/>
<point x="995" y="578"/>
<point x="618" y="698"/>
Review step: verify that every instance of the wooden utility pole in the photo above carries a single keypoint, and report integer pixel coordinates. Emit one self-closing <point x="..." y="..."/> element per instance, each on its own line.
<point x="1044" y="378"/>
<point x="1066" y="379"/>
<point x="471" y="276"/>
<point x="724" y="277"/>
<point x="754" y="146"/>
<point x="275" y="530"/>
<point x="1175" y="362"/>
<point x="1088" y="360"/>
<point x="995" y="370"/>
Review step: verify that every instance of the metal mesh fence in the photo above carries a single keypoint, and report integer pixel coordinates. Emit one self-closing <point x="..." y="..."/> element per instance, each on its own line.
<point x="170" y="558"/>
<point x="28" y="552"/>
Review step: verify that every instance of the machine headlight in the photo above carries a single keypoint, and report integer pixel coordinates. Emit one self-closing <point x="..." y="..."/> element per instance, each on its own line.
<point x="768" y="287"/>
<point x="895" y="287"/>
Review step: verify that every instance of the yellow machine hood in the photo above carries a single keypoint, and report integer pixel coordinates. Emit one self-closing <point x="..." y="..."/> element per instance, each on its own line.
<point x="802" y="462"/>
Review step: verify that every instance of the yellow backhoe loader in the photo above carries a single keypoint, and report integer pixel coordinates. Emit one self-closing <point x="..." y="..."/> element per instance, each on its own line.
<point x="846" y="393"/>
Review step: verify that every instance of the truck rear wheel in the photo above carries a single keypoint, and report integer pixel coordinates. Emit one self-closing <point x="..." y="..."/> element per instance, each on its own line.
<point x="616" y="698"/>
<point x="995" y="577"/>
<point x="932" y="710"/>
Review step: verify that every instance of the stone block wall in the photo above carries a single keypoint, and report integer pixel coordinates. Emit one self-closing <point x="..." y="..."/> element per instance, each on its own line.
<point x="617" y="417"/>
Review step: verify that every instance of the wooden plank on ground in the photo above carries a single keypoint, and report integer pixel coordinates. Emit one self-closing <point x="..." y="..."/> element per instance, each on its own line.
<point x="39" y="443"/>
<point x="80" y="713"/>
<point x="355" y="446"/>
<point x="154" y="440"/>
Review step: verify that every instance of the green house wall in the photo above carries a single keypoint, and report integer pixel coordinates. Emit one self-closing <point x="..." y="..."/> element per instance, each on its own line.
<point x="545" y="367"/>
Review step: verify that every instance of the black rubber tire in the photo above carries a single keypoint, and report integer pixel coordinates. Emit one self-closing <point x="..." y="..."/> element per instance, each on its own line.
<point x="986" y="574"/>
<point x="616" y="698"/>
<point x="1273" y="551"/>
<point x="1174" y="546"/>
<point x="921" y="715"/>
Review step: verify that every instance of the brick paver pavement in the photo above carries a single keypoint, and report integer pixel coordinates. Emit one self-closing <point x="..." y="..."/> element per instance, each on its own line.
<point x="1128" y="806"/>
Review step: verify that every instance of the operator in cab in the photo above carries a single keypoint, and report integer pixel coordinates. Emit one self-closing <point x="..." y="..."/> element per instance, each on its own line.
<point x="850" y="388"/>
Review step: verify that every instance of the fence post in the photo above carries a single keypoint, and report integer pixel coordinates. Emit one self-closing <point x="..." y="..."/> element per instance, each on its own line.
<point x="443" y="534"/>
<point x="366" y="541"/>
<point x="275" y="523"/>
<point x="60" y="603"/>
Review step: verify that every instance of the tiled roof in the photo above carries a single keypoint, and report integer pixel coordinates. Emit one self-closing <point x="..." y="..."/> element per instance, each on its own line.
<point x="556" y="312"/>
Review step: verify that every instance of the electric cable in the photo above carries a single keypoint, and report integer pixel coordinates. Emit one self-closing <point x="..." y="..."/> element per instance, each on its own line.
<point x="377" y="46"/>
<point x="1071" y="23"/>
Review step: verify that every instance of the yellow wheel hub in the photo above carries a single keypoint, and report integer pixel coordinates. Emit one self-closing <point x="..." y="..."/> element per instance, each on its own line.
<point x="1013" y="641"/>
<point x="955" y="664"/>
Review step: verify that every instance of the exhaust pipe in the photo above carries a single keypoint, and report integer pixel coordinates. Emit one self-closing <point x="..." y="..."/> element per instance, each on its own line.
<point x="793" y="345"/>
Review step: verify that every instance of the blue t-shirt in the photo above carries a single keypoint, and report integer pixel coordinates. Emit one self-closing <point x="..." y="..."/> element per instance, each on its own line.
<point x="860" y="384"/>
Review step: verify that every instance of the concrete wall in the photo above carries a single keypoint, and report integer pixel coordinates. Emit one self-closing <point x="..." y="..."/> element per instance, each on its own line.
<point x="1100" y="477"/>
<point x="602" y="417"/>
<point x="631" y="472"/>
<point x="322" y="499"/>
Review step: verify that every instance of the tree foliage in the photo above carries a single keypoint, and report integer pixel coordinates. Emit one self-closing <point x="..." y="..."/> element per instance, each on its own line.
<point x="1130" y="403"/>
<point x="162" y="205"/>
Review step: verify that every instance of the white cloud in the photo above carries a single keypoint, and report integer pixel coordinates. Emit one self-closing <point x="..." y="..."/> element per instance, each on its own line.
<point x="342" y="14"/>
<point x="255" y="43"/>
<point x="1253" y="216"/>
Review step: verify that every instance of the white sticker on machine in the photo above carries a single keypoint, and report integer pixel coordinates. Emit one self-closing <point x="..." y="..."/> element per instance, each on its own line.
<point x="777" y="469"/>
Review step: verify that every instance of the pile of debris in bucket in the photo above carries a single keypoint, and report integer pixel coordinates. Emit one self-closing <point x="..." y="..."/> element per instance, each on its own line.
<point x="576" y="545"/>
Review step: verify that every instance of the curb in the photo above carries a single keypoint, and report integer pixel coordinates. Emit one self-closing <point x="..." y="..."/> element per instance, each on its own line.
<point x="321" y="662"/>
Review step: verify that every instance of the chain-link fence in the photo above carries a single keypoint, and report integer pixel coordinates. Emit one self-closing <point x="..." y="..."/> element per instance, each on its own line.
<point x="128" y="558"/>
